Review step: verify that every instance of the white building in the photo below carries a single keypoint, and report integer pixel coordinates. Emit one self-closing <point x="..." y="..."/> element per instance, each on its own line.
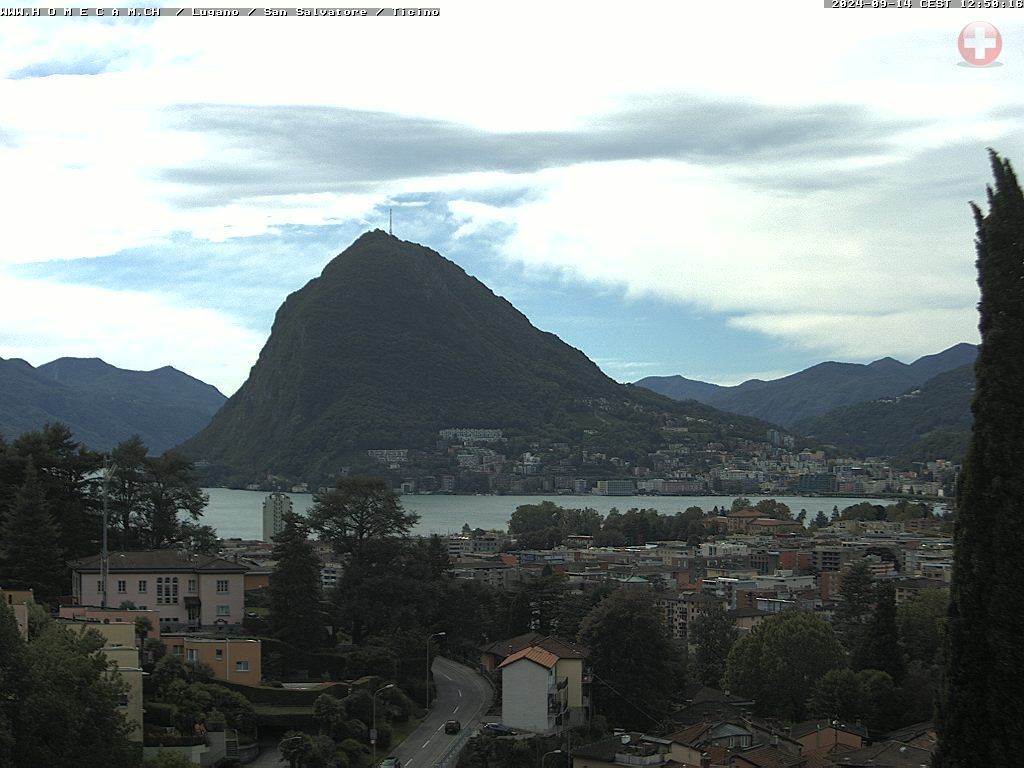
<point x="275" y="506"/>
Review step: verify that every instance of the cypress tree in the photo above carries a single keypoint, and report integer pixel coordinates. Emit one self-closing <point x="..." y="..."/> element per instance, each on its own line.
<point x="30" y="553"/>
<point x="981" y="711"/>
<point x="295" y="613"/>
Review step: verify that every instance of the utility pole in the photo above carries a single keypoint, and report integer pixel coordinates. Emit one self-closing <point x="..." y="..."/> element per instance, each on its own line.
<point x="104" y="554"/>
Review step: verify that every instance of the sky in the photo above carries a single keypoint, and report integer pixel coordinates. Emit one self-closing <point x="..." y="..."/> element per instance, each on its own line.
<point x="721" y="191"/>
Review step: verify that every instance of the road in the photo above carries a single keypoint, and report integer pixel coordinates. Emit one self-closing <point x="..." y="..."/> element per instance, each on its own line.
<point x="462" y="695"/>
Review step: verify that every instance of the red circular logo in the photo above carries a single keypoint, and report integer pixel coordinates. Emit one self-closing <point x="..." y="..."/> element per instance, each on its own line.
<point x="980" y="43"/>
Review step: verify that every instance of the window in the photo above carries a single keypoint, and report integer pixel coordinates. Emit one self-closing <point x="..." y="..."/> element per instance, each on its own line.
<point x="219" y="654"/>
<point x="142" y="585"/>
<point x="191" y="586"/>
<point x="223" y="610"/>
<point x="192" y="655"/>
<point x="166" y="590"/>
<point x="222" y="586"/>
<point x="177" y="650"/>
<point x="99" y="586"/>
<point x="122" y="586"/>
<point x="241" y="666"/>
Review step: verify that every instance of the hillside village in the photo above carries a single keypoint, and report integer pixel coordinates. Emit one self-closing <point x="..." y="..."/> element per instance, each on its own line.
<point x="485" y="461"/>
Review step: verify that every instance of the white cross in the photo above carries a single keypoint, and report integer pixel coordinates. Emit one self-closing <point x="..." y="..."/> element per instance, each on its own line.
<point x="979" y="42"/>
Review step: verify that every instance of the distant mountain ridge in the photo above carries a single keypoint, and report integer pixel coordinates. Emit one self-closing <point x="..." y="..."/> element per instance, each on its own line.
<point x="816" y="390"/>
<point x="392" y="343"/>
<point x="104" y="405"/>
<point x="932" y="421"/>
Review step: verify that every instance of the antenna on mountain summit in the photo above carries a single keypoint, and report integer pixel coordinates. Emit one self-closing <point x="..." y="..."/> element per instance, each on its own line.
<point x="390" y="221"/>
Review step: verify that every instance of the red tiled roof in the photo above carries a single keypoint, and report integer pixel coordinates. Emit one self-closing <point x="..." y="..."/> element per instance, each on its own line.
<point x="535" y="654"/>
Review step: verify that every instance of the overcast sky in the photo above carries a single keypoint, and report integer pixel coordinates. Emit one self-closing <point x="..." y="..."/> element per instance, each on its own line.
<point x="720" y="194"/>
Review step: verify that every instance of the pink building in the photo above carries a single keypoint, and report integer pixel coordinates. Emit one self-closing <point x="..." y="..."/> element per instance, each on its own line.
<point x="188" y="591"/>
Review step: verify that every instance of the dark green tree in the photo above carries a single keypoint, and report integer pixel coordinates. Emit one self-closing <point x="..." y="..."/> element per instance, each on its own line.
<point x="30" y="553"/>
<point x="636" y="667"/>
<point x="713" y="634"/>
<point x="921" y="619"/>
<point x="65" y="470"/>
<point x="853" y="612"/>
<point x="780" y="660"/>
<point x="365" y="522"/>
<point x="295" y="613"/>
<point x="126" y="488"/>
<point x="880" y="649"/>
<point x="820" y="521"/>
<point x="72" y="686"/>
<point x="172" y="490"/>
<point x="981" y="710"/>
<point x="14" y="682"/>
<point x="773" y="508"/>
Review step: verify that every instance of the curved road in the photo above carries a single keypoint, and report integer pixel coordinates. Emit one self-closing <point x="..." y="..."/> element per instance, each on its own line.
<point x="463" y="695"/>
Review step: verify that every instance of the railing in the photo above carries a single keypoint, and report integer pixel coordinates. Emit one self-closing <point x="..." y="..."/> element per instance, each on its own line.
<point x="450" y="757"/>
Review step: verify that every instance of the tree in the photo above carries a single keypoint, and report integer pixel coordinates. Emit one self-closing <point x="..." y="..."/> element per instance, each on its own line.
<point x="365" y="522"/>
<point x="636" y="667"/>
<point x="773" y="508"/>
<point x="358" y="512"/>
<point x="868" y="696"/>
<point x="853" y="613"/>
<point x="69" y="715"/>
<point x="981" y="709"/>
<point x="66" y="473"/>
<point x="820" y="521"/>
<point x="126" y="487"/>
<point x="880" y="649"/>
<point x="30" y="553"/>
<point x="172" y="490"/>
<point x="13" y="682"/>
<point x="740" y="503"/>
<point x="921" y="619"/>
<point x="780" y="660"/>
<point x="295" y="614"/>
<point x="713" y="634"/>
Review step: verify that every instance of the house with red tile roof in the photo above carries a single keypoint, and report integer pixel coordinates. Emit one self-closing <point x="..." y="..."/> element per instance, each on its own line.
<point x="542" y="686"/>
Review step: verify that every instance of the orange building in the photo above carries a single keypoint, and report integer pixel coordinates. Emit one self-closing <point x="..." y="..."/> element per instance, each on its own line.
<point x="113" y="616"/>
<point x="235" y="660"/>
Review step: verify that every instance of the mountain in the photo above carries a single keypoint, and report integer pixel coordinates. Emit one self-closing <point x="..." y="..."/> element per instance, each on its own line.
<point x="816" y="390"/>
<point x="928" y="422"/>
<point x="104" y="405"/>
<point x="392" y="343"/>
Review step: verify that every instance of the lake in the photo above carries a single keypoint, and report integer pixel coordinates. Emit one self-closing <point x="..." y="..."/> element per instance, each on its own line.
<point x="239" y="514"/>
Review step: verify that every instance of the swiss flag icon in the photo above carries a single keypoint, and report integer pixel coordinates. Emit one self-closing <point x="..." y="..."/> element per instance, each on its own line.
<point x="980" y="43"/>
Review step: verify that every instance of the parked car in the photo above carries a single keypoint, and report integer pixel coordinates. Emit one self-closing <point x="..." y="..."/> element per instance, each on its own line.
<point x="452" y="726"/>
<point x="498" y="729"/>
<point x="390" y="762"/>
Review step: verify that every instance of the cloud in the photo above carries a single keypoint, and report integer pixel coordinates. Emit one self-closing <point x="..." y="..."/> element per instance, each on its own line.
<point x="288" y="150"/>
<point x="775" y="263"/>
<point x="127" y="329"/>
<point x="84" y="66"/>
<point x="906" y="334"/>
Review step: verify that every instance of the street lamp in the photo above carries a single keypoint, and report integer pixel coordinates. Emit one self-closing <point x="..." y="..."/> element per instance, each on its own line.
<point x="429" y="638"/>
<point x="373" y="731"/>
<point x="552" y="752"/>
